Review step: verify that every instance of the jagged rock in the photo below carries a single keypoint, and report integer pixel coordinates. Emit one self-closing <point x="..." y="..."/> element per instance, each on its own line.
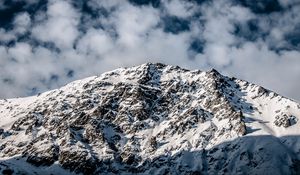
<point x="79" y="161"/>
<point x="44" y="157"/>
<point x="149" y="119"/>
<point x="153" y="143"/>
<point x="285" y="120"/>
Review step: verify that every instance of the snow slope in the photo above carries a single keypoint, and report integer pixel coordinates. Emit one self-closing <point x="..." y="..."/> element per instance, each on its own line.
<point x="151" y="119"/>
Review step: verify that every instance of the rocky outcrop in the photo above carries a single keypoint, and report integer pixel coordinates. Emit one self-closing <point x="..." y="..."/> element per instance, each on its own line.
<point x="285" y="120"/>
<point x="131" y="121"/>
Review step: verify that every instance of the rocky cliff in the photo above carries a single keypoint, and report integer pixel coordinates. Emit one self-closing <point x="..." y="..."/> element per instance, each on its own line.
<point x="151" y="119"/>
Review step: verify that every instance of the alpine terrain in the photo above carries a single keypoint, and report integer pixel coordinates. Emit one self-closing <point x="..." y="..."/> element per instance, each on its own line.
<point x="151" y="119"/>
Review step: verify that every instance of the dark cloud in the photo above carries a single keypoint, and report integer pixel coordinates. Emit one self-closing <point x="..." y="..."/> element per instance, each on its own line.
<point x="8" y="12"/>
<point x="262" y="6"/>
<point x="153" y="3"/>
<point x="70" y="73"/>
<point x="199" y="2"/>
<point x="175" y="24"/>
<point x="10" y="8"/>
<point x="294" y="38"/>
<point x="197" y="45"/>
<point x="249" y="30"/>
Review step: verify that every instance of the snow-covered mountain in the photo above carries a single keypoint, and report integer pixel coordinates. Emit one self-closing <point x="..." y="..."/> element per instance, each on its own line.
<point x="151" y="119"/>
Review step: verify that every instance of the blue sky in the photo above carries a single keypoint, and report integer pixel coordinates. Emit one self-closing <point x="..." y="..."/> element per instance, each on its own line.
<point x="45" y="44"/>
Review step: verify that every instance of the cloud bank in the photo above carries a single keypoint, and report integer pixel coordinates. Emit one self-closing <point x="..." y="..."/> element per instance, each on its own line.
<point x="46" y="44"/>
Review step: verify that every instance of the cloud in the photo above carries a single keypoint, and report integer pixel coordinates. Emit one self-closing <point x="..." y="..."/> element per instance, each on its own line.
<point x="20" y="53"/>
<point x="95" y="42"/>
<point x="179" y="8"/>
<point x="60" y="25"/>
<point x="59" y="41"/>
<point x="132" y="24"/>
<point x="22" y="23"/>
<point x="255" y="62"/>
<point x="6" y="36"/>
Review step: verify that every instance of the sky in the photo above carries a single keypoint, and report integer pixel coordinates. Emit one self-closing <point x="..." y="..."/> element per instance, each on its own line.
<point x="45" y="44"/>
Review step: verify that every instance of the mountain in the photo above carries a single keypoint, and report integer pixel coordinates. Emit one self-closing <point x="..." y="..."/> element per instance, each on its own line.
<point x="151" y="119"/>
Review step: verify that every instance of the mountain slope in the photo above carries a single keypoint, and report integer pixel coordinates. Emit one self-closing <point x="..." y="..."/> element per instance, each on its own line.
<point x="151" y="119"/>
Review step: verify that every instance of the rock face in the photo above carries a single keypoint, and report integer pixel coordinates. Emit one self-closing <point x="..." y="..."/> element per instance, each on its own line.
<point x="151" y="119"/>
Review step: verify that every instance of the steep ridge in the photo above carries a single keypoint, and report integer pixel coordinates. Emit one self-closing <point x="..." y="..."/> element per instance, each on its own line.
<point x="151" y="119"/>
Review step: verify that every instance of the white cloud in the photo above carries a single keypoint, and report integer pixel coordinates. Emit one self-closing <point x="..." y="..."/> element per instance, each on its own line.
<point x="21" y="53"/>
<point x="279" y="72"/>
<point x="95" y="42"/>
<point x="3" y="57"/>
<point x="180" y="8"/>
<point x="132" y="24"/>
<point x="22" y="23"/>
<point x="6" y="36"/>
<point x="60" y="26"/>
<point x="128" y="35"/>
<point x="218" y="55"/>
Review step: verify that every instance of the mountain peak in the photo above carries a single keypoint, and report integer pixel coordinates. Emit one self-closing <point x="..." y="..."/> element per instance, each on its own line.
<point x="151" y="119"/>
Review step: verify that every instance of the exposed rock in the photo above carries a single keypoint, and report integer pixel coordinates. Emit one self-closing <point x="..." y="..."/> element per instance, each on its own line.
<point x="79" y="161"/>
<point x="285" y="120"/>
<point x="149" y="119"/>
